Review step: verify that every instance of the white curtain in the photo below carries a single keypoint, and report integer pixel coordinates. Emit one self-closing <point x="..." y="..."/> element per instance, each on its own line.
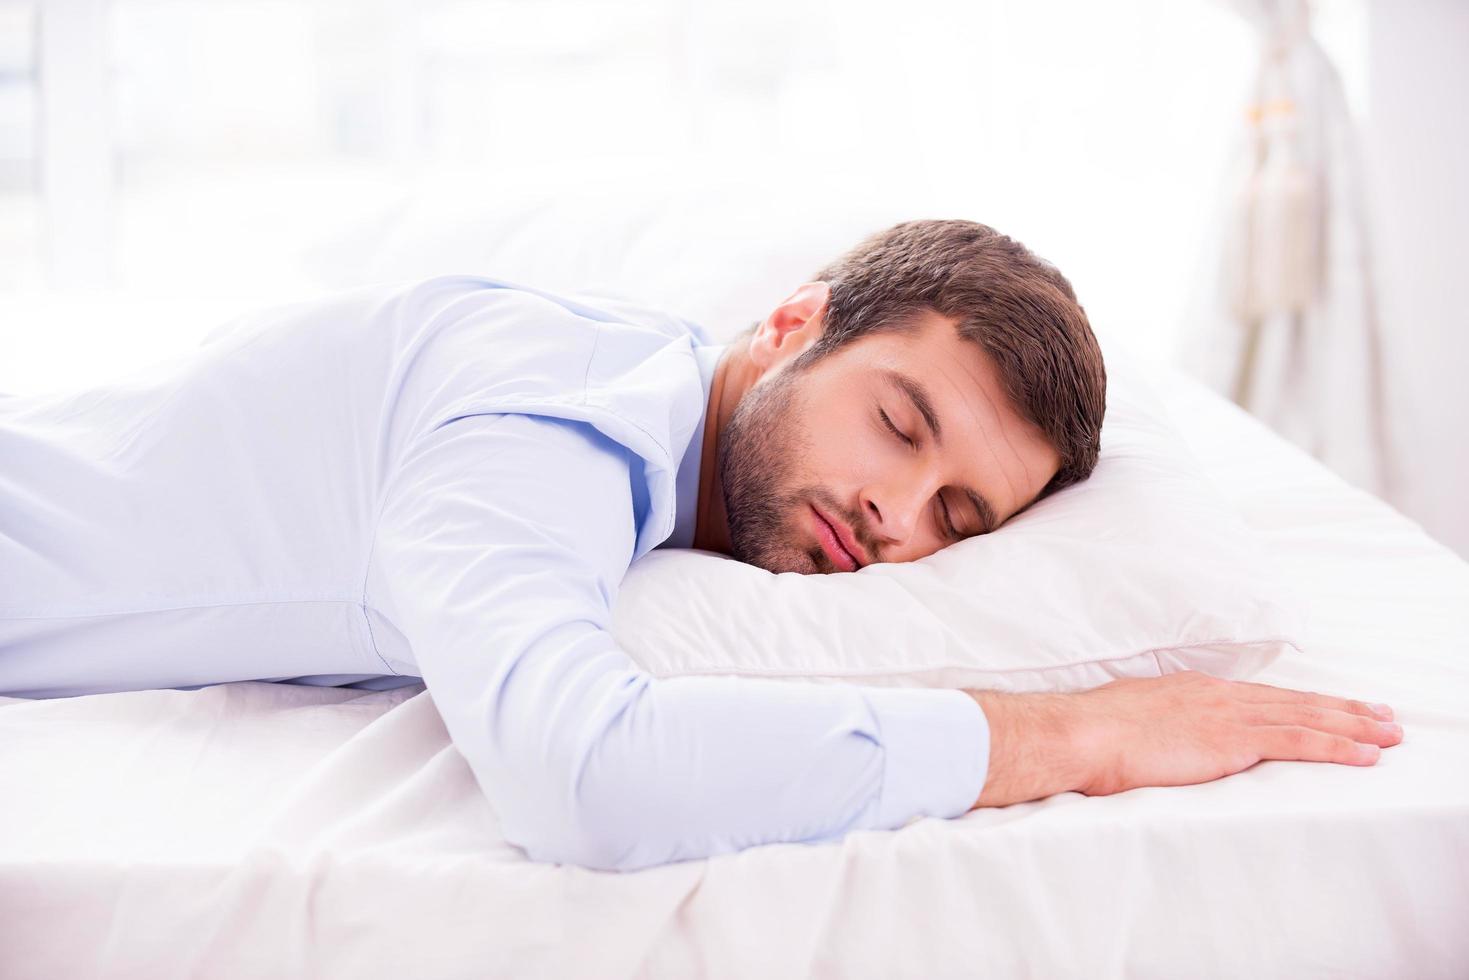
<point x="1290" y="328"/>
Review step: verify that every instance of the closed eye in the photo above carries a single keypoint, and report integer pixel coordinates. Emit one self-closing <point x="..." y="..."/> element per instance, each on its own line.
<point x="949" y="523"/>
<point x="889" y="423"/>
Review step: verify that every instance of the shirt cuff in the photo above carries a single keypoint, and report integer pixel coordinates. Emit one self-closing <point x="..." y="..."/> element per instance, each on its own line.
<point x="936" y="752"/>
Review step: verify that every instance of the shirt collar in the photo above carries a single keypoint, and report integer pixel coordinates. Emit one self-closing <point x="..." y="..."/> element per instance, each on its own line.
<point x="687" y="483"/>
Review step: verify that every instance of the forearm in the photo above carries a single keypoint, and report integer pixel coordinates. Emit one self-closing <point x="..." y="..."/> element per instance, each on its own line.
<point x="1036" y="749"/>
<point x="697" y="766"/>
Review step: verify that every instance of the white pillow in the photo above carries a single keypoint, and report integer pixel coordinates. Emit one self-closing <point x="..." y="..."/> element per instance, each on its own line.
<point x="1140" y="570"/>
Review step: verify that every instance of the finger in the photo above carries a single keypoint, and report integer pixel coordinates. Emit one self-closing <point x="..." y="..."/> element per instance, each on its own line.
<point x="1251" y="691"/>
<point x="1323" y="719"/>
<point x="1296" y="743"/>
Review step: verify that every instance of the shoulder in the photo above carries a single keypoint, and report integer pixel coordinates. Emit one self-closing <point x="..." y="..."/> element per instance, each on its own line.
<point x="482" y="345"/>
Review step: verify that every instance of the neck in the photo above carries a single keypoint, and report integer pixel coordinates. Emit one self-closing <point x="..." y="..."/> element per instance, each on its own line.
<point x="733" y="376"/>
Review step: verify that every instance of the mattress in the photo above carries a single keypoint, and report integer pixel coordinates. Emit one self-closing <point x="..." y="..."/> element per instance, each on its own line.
<point x="281" y="830"/>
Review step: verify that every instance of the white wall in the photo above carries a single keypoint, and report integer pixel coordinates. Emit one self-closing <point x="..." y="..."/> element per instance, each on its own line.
<point x="1417" y="147"/>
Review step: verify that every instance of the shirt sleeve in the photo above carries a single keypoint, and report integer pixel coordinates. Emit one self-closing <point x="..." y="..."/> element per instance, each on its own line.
<point x="501" y="544"/>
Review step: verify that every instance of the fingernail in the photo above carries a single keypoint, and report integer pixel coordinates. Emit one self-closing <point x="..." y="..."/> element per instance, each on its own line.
<point x="1392" y="728"/>
<point x="1381" y="709"/>
<point x="1368" y="751"/>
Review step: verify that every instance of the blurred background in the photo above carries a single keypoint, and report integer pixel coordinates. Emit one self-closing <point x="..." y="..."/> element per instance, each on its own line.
<point x="1268" y="195"/>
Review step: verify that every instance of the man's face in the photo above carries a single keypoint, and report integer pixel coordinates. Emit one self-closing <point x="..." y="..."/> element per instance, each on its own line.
<point x="807" y="450"/>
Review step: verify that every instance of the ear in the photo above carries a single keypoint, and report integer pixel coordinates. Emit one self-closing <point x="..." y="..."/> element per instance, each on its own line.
<point x="790" y="328"/>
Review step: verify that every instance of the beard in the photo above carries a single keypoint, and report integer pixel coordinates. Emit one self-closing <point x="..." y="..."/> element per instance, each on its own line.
<point x="758" y="456"/>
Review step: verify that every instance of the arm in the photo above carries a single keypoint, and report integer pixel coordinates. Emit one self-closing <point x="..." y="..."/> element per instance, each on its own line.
<point x="1181" y="728"/>
<point x="500" y="549"/>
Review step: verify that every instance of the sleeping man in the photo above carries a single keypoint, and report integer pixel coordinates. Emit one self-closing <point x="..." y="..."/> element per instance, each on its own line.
<point x="446" y="480"/>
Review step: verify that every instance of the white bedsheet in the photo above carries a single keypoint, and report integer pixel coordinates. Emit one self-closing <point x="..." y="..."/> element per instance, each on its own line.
<point x="271" y="830"/>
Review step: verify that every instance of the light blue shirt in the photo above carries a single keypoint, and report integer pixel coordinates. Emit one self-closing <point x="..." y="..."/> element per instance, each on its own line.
<point x="445" y="480"/>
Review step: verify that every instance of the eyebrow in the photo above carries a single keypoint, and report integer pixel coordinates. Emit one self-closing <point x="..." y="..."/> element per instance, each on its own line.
<point x="923" y="404"/>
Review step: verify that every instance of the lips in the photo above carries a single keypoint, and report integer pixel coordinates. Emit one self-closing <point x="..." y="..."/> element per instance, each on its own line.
<point x="838" y="543"/>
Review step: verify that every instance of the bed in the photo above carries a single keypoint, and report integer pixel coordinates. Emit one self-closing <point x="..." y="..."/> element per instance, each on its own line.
<point x="263" y="829"/>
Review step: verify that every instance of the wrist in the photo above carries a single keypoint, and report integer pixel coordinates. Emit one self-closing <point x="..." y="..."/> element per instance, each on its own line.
<point x="1037" y="748"/>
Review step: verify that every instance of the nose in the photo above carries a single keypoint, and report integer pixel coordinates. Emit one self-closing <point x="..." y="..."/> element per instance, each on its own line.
<point x="894" y="509"/>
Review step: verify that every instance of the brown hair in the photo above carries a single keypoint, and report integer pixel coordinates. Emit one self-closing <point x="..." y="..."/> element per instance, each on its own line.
<point x="1018" y="307"/>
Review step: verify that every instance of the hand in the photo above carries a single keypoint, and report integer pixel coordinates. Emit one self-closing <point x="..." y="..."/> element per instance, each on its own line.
<point x="1190" y="727"/>
<point x="1181" y="728"/>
